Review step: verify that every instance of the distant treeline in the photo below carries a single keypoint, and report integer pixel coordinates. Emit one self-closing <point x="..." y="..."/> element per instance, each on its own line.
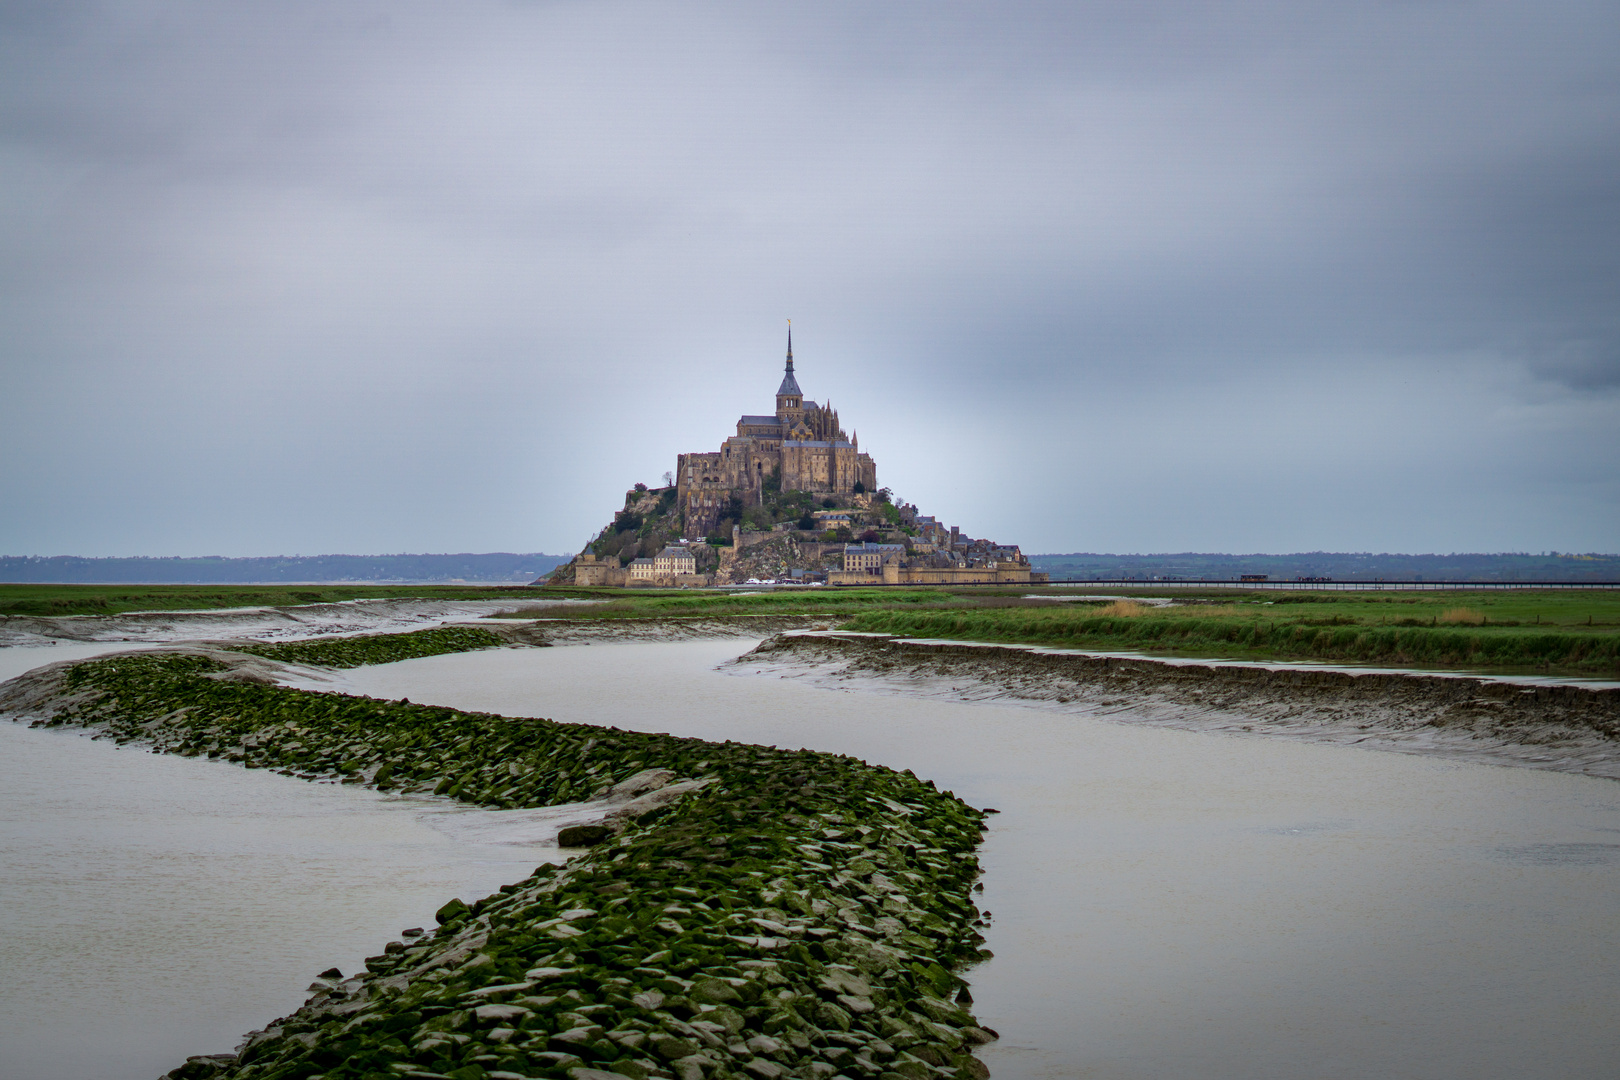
<point x="497" y="566"/>
<point x="1337" y="566"/>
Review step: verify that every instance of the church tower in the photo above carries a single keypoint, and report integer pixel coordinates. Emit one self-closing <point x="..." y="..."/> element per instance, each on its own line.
<point x="789" y="398"/>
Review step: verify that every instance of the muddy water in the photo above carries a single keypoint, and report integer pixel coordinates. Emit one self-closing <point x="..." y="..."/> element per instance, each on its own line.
<point x="157" y="907"/>
<point x="1181" y="904"/>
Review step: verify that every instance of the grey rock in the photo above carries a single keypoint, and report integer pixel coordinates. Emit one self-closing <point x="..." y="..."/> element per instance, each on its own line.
<point x="557" y="1059"/>
<point x="649" y="999"/>
<point x="764" y="1044"/>
<point x="573" y="1039"/>
<point x="829" y="1015"/>
<point x="671" y="1048"/>
<point x="500" y="1013"/>
<point x="972" y="1068"/>
<point x="580" y="836"/>
<point x="692" y="1067"/>
<point x="486" y="993"/>
<point x="545" y="974"/>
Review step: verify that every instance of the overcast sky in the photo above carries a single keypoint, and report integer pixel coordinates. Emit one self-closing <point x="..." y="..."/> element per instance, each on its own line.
<point x="379" y="277"/>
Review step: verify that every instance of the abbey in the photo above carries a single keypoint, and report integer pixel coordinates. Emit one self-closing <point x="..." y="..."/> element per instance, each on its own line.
<point x="799" y="448"/>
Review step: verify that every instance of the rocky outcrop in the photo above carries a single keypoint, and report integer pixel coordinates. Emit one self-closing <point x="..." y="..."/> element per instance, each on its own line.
<point x="772" y="555"/>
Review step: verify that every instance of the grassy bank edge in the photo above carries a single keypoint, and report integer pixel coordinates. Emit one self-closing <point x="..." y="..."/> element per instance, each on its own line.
<point x="1487" y="650"/>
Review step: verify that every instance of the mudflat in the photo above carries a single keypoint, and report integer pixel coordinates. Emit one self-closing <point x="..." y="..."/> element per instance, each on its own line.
<point x="1568" y="727"/>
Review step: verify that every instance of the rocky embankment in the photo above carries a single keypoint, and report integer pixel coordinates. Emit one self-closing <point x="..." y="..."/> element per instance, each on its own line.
<point x="741" y="911"/>
<point x="1564" y="727"/>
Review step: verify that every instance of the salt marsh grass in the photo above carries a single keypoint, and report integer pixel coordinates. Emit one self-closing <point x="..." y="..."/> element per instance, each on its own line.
<point x="1124" y="609"/>
<point x="1575" y="634"/>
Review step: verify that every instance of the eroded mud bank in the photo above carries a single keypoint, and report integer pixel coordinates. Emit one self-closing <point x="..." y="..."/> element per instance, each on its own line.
<point x="545" y="631"/>
<point x="1569" y="728"/>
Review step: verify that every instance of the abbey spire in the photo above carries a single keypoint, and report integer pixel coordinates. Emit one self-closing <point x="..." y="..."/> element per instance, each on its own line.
<point x="790" y="385"/>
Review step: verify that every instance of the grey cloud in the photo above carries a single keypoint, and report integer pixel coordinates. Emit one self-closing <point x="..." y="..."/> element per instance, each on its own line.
<point x="1581" y="365"/>
<point x="305" y="237"/>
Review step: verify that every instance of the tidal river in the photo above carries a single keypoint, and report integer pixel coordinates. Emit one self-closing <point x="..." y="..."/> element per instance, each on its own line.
<point x="1167" y="904"/>
<point x="1174" y="904"/>
<point x="157" y="907"/>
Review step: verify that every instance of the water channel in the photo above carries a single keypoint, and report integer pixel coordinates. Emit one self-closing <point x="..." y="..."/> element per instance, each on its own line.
<point x="1166" y="903"/>
<point x="158" y="907"/>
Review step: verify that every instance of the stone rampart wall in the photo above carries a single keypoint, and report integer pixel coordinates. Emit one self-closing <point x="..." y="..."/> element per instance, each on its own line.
<point x="594" y="573"/>
<point x="902" y="575"/>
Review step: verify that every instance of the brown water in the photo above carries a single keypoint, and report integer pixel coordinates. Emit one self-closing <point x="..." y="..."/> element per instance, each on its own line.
<point x="1180" y="904"/>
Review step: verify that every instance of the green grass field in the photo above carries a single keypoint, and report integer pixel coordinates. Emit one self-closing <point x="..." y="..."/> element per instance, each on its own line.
<point x="1561" y="632"/>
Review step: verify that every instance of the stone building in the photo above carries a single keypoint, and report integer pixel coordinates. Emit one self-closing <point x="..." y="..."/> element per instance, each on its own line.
<point x="801" y="446"/>
<point x="591" y="570"/>
<point x="869" y="558"/>
<point x="674" y="565"/>
<point x="674" y="560"/>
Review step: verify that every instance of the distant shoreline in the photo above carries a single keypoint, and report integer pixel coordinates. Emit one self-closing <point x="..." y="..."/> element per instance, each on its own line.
<point x="462" y="568"/>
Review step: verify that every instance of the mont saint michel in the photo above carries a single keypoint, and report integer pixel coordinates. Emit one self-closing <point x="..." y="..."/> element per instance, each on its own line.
<point x="790" y="497"/>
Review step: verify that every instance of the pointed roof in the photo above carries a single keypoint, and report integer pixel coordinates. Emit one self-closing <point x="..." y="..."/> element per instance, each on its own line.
<point x="790" y="385"/>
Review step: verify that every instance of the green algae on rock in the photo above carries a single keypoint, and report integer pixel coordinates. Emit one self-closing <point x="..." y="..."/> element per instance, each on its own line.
<point x="788" y="913"/>
<point x="348" y="652"/>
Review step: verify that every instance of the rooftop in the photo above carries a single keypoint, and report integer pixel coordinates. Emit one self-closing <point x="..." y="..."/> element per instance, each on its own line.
<point x="790" y="385"/>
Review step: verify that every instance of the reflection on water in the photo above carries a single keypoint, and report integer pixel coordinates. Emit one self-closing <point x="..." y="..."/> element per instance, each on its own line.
<point x="1178" y="904"/>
